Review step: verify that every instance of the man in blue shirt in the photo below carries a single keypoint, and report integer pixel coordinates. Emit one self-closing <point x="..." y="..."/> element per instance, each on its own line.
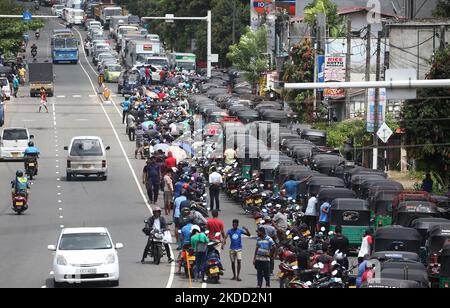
<point x="324" y="215"/>
<point x="235" y="235"/>
<point x="31" y="153"/>
<point x="177" y="215"/>
<point x="291" y="186"/>
<point x="125" y="108"/>
<point x="265" y="249"/>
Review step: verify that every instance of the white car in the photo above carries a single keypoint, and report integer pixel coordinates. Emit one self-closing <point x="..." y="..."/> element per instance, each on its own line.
<point x="57" y="9"/>
<point x="13" y="142"/>
<point x="85" y="255"/>
<point x="5" y="87"/>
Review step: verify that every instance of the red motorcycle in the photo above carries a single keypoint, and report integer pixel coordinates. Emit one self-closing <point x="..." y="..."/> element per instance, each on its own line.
<point x="20" y="203"/>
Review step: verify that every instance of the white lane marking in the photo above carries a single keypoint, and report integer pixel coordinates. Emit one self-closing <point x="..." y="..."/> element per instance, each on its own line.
<point x="76" y="96"/>
<point x="57" y="166"/>
<point x="58" y="179"/>
<point x="92" y="95"/>
<point x="56" y="155"/>
<point x="60" y="209"/>
<point x="28" y="120"/>
<point x="57" y="172"/>
<point x="203" y="285"/>
<point x="172" y="269"/>
<point x="54" y="123"/>
<point x="81" y="120"/>
<point x="58" y="186"/>
<point x="61" y="226"/>
<point x="61" y="217"/>
<point x="52" y="273"/>
<point x="59" y="201"/>
<point x="43" y="287"/>
<point x="60" y="96"/>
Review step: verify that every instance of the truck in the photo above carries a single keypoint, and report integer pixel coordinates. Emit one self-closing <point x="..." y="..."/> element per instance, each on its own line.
<point x="41" y="75"/>
<point x="122" y="43"/>
<point x="104" y="12"/>
<point x="115" y="22"/>
<point x="75" y="16"/>
<point x="186" y="62"/>
<point x="137" y="51"/>
<point x="75" y="4"/>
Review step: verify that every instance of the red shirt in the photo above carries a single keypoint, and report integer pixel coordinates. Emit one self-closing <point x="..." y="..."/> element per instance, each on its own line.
<point x="214" y="225"/>
<point x="171" y="162"/>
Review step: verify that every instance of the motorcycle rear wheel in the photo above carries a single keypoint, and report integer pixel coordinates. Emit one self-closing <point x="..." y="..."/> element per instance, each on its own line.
<point x="157" y="253"/>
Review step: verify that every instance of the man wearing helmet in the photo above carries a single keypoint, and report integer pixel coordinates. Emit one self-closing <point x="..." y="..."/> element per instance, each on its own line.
<point x="20" y="185"/>
<point x="156" y="222"/>
<point x="31" y="152"/>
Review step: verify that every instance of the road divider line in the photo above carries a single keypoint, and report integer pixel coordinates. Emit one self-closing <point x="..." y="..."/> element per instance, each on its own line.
<point x="172" y="269"/>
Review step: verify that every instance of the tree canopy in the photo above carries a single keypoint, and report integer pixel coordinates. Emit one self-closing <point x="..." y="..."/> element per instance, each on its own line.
<point x="426" y="120"/>
<point x="12" y="29"/>
<point x="248" y="54"/>
<point x="442" y="9"/>
<point x="335" y="22"/>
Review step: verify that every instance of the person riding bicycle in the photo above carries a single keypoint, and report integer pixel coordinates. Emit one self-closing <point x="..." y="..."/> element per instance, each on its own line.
<point x="20" y="185"/>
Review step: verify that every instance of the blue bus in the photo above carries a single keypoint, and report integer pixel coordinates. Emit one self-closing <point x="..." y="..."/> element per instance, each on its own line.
<point x="64" y="47"/>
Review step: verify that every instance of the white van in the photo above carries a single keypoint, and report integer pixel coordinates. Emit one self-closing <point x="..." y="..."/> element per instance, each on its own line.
<point x="13" y="142"/>
<point x="86" y="156"/>
<point x="5" y="88"/>
<point x="75" y="16"/>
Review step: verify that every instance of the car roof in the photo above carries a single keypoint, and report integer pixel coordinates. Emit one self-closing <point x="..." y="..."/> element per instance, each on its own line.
<point x="84" y="230"/>
<point x="7" y="128"/>
<point x="86" y="137"/>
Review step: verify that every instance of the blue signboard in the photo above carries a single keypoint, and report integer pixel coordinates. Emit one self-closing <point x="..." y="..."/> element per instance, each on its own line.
<point x="27" y="16"/>
<point x="321" y="68"/>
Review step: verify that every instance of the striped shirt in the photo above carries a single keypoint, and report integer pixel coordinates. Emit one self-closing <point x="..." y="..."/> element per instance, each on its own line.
<point x="264" y="247"/>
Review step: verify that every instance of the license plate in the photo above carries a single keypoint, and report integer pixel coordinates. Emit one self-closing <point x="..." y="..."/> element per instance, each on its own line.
<point x="15" y="154"/>
<point x="191" y="258"/>
<point x="258" y="201"/>
<point x="31" y="164"/>
<point x="280" y="275"/>
<point x="214" y="270"/>
<point x="249" y="201"/>
<point x="87" y="271"/>
<point x="87" y="166"/>
<point x="19" y="203"/>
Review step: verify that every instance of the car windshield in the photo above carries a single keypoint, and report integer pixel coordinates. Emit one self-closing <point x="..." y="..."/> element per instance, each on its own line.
<point x="86" y="147"/>
<point x="157" y="62"/>
<point x="15" y="134"/>
<point x="85" y="241"/>
<point x="59" y="7"/>
<point x="114" y="68"/>
<point x="189" y="66"/>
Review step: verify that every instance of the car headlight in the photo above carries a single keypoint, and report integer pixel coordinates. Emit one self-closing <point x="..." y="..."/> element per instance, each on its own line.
<point x="60" y="260"/>
<point x="110" y="259"/>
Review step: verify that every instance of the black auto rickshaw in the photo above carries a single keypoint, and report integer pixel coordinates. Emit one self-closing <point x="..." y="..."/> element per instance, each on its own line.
<point x="373" y="183"/>
<point x="405" y="270"/>
<point x="233" y="110"/>
<point x="353" y="215"/>
<point x="383" y="256"/>
<point x="283" y="171"/>
<point x="302" y="153"/>
<point x="318" y="182"/>
<point x="326" y="164"/>
<point x="444" y="261"/>
<point x="276" y="116"/>
<point x="358" y="179"/>
<point x="247" y="116"/>
<point x="381" y="207"/>
<point x="318" y="137"/>
<point x="397" y="238"/>
<point x="423" y="225"/>
<point x="386" y="283"/>
<point x="408" y="211"/>
<point x="329" y="194"/>
<point x="438" y="235"/>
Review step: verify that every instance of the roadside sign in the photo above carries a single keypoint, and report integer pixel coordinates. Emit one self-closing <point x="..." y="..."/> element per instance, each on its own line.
<point x="27" y="16"/>
<point x="214" y="58"/>
<point x="401" y="74"/>
<point x="384" y="133"/>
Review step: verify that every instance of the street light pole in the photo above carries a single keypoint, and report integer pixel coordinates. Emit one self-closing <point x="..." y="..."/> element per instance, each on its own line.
<point x="208" y="20"/>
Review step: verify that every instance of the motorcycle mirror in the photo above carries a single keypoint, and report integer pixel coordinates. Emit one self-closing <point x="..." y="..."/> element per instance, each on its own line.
<point x="334" y="273"/>
<point x="296" y="238"/>
<point x="288" y="232"/>
<point x="309" y="283"/>
<point x="322" y="229"/>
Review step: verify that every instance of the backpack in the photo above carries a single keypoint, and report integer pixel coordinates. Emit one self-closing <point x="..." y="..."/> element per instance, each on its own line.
<point x="21" y="184"/>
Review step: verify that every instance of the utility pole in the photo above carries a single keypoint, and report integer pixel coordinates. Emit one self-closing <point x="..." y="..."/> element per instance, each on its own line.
<point x="377" y="101"/>
<point x="348" y="66"/>
<point x="367" y="76"/>
<point x="234" y="23"/>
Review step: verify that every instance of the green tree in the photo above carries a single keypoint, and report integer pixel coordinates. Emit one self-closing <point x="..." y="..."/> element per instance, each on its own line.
<point x="248" y="54"/>
<point x="300" y="68"/>
<point x="335" y="22"/>
<point x="442" y="9"/>
<point x="12" y="29"/>
<point x="426" y="121"/>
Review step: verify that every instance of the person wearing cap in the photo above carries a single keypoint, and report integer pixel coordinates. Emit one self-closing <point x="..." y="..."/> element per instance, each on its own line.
<point x="199" y="242"/>
<point x="151" y="177"/>
<point x="156" y="222"/>
<point x="265" y="249"/>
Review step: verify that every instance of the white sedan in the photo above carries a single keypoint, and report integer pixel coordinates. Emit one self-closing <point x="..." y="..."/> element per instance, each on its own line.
<point x="85" y="255"/>
<point x="57" y="9"/>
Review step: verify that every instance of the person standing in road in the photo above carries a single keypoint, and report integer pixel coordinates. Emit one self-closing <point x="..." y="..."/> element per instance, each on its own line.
<point x="215" y="225"/>
<point x="177" y="214"/>
<point x="171" y="162"/>
<point x="235" y="235"/>
<point x="340" y="242"/>
<point x="230" y="155"/>
<point x="87" y="47"/>
<point x="131" y="124"/>
<point x="199" y="243"/>
<point x="43" y="103"/>
<point x="139" y="142"/>
<point x="215" y="181"/>
<point x="311" y="214"/>
<point x="366" y="246"/>
<point x="265" y="249"/>
<point x="156" y="222"/>
<point x="22" y="73"/>
<point x="151" y="179"/>
<point x="125" y="108"/>
<point x="271" y="232"/>
<point x="168" y="191"/>
<point x="324" y="218"/>
<point x="148" y="76"/>
<point x="15" y="85"/>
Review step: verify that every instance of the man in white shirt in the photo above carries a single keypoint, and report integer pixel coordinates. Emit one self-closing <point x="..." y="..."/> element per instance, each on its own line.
<point x="215" y="181"/>
<point x="311" y="214"/>
<point x="229" y="155"/>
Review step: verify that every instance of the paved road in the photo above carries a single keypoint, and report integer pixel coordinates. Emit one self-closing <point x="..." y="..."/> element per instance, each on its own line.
<point x="117" y="204"/>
